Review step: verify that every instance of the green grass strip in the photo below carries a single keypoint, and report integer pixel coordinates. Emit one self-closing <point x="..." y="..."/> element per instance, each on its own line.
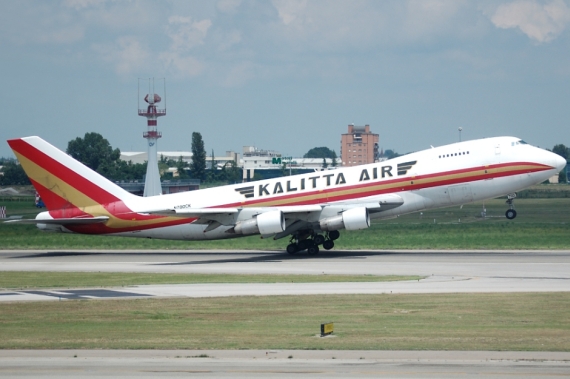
<point x="39" y="279"/>
<point x="519" y="321"/>
<point x="540" y="224"/>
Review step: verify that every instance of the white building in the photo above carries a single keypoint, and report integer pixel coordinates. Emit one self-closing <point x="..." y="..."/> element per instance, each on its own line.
<point x="141" y="157"/>
<point x="267" y="163"/>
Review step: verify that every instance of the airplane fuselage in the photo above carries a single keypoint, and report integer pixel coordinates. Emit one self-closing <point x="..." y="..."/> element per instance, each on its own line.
<point x="444" y="176"/>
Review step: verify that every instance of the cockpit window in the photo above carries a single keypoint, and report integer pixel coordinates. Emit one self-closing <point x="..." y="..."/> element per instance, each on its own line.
<point x="522" y="142"/>
<point x="519" y="142"/>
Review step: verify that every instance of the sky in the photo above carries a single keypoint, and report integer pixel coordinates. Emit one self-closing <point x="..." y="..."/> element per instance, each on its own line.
<point x="286" y="75"/>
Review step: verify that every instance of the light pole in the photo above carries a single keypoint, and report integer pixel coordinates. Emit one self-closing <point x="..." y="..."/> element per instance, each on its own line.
<point x="460" y="129"/>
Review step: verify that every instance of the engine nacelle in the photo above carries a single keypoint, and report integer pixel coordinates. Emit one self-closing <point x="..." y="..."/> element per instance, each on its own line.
<point x="52" y="228"/>
<point x="264" y="223"/>
<point x="351" y="219"/>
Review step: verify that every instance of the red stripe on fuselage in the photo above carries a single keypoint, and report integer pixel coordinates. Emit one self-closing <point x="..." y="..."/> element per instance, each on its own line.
<point x="103" y="229"/>
<point x="328" y="194"/>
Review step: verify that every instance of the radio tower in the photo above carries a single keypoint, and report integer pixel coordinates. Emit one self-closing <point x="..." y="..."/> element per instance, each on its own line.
<point x="152" y="186"/>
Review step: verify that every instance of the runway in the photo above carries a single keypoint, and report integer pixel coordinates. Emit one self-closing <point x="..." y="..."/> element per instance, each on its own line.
<point x="280" y="364"/>
<point x="443" y="271"/>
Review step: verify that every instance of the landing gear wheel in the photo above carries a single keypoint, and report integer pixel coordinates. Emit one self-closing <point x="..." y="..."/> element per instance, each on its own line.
<point x="319" y="239"/>
<point x="292" y="248"/>
<point x="511" y="214"/>
<point x="304" y="245"/>
<point x="334" y="234"/>
<point x="314" y="249"/>
<point x="328" y="244"/>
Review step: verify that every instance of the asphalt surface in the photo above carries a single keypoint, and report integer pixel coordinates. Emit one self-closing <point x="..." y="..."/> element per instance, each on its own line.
<point x="280" y="364"/>
<point x="443" y="271"/>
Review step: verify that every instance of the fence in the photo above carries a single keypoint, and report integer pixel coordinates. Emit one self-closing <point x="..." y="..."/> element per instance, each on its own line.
<point x="4" y="199"/>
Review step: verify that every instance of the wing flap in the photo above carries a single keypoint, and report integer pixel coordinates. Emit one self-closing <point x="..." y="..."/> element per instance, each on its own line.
<point x="300" y="208"/>
<point x="193" y="212"/>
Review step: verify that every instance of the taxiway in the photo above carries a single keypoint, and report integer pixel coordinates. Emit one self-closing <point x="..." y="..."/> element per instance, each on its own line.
<point x="443" y="271"/>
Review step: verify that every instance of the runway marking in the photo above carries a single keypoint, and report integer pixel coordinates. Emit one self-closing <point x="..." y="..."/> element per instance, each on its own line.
<point x="84" y="294"/>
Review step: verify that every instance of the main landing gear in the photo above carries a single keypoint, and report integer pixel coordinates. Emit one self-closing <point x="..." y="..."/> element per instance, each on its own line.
<point x="511" y="213"/>
<point x="311" y="242"/>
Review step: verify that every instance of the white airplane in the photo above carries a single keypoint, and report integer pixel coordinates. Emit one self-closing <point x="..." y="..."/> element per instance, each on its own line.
<point x="310" y="209"/>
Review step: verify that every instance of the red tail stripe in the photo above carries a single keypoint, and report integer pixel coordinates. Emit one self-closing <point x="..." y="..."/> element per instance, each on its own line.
<point x="54" y="167"/>
<point x="57" y="206"/>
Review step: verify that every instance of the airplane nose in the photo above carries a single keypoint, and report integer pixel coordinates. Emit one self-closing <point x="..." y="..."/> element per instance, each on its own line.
<point x="559" y="162"/>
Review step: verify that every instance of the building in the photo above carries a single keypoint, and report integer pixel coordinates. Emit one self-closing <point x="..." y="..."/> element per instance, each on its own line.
<point x="265" y="164"/>
<point x="141" y="157"/>
<point x="167" y="186"/>
<point x="175" y="185"/>
<point x="256" y="163"/>
<point x="358" y="146"/>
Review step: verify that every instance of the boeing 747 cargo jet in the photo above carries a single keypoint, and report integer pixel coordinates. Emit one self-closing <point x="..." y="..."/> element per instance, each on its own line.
<point x="310" y="209"/>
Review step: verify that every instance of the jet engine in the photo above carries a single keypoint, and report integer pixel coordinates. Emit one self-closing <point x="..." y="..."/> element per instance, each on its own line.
<point x="351" y="219"/>
<point x="264" y="223"/>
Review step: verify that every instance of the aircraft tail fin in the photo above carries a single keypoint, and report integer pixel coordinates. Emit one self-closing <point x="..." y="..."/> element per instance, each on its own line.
<point x="66" y="186"/>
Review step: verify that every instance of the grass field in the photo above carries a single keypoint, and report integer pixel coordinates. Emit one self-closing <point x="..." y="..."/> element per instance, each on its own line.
<point x="540" y="224"/>
<point x="38" y="279"/>
<point x="536" y="322"/>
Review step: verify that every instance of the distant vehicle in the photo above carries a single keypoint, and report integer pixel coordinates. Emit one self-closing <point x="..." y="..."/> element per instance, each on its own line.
<point x="310" y="208"/>
<point x="39" y="202"/>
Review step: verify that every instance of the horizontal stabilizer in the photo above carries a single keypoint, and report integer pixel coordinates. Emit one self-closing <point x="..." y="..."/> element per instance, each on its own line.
<point x="62" y="221"/>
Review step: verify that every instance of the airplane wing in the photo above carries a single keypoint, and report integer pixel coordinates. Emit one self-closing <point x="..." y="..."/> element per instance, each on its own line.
<point x="215" y="217"/>
<point x="292" y="214"/>
<point x="297" y="219"/>
<point x="193" y="212"/>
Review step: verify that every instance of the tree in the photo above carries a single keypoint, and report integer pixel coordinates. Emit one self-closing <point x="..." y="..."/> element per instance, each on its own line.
<point x="319" y="152"/>
<point x="334" y="159"/>
<point x="325" y="164"/>
<point x="231" y="172"/>
<point x="284" y="170"/>
<point x="13" y="174"/>
<point x="131" y="171"/>
<point x="180" y="168"/>
<point x="198" y="165"/>
<point x="213" y="174"/>
<point x="562" y="178"/>
<point x="561" y="150"/>
<point x="389" y="154"/>
<point x="96" y="152"/>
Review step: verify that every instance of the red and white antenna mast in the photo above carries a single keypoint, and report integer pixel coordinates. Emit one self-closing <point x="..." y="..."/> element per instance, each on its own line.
<point x="152" y="186"/>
